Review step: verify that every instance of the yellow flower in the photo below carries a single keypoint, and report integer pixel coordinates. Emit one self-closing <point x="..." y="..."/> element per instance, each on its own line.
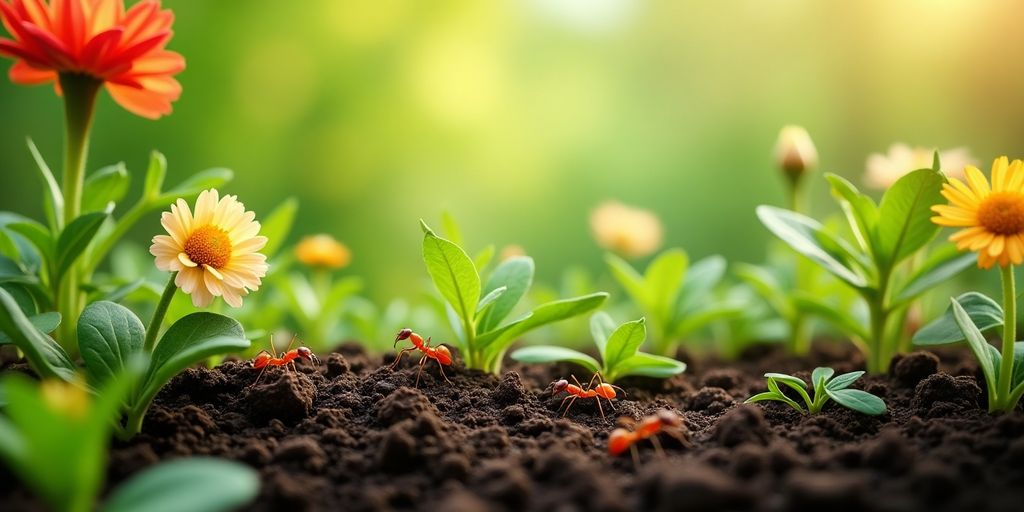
<point x="795" y="152"/>
<point x="214" y="251"/>
<point x="322" y="251"/>
<point x="883" y="170"/>
<point x="992" y="217"/>
<point x="67" y="399"/>
<point x="628" y="231"/>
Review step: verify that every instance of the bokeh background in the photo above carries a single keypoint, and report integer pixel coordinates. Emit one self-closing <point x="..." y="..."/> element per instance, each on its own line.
<point x="519" y="116"/>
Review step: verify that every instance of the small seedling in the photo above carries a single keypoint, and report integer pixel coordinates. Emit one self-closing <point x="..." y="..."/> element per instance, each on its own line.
<point x="576" y="391"/>
<point x="664" y="421"/>
<point x="265" y="359"/>
<point x="825" y="387"/>
<point x="439" y="353"/>
<point x="618" y="348"/>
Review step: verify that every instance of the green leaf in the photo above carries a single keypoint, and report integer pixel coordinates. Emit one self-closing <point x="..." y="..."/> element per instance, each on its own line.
<point x="489" y="299"/>
<point x="977" y="343"/>
<point x="516" y="276"/>
<point x="1018" y="363"/>
<point x="43" y="322"/>
<point x="155" y="174"/>
<point x="861" y="212"/>
<point x="74" y="239"/>
<point x="38" y="236"/>
<point x="601" y="327"/>
<point x="484" y="257"/>
<point x="905" y="214"/>
<point x="629" y="279"/>
<point x="647" y="365"/>
<point x="700" y="282"/>
<point x="857" y="400"/>
<point x="663" y="280"/>
<point x="192" y="339"/>
<point x="203" y="180"/>
<point x="821" y="374"/>
<point x="8" y="248"/>
<point x="843" y="381"/>
<point x="109" y="335"/>
<point x="984" y="313"/>
<point x="840" y="318"/>
<point x="766" y="396"/>
<point x="197" y="484"/>
<point x="942" y="265"/>
<point x="767" y="286"/>
<point x="105" y="186"/>
<point x="11" y="271"/>
<point x="698" y="319"/>
<point x="54" y="196"/>
<point x="624" y="342"/>
<point x="806" y="236"/>
<point x="451" y="228"/>
<point x="787" y="379"/>
<point x="453" y="273"/>
<point x="278" y="225"/>
<point x="549" y="354"/>
<point x="44" y="355"/>
<point x="544" y="314"/>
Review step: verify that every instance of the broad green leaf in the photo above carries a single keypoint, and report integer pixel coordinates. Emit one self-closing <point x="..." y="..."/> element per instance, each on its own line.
<point x="191" y="187"/>
<point x="698" y="319"/>
<point x="544" y="314"/>
<point x="630" y="280"/>
<point x="105" y="186"/>
<point x="942" y="265"/>
<point x="109" y="335"/>
<point x="548" y="354"/>
<point x="663" y="280"/>
<point x="278" y="225"/>
<point x="861" y="212"/>
<point x="624" y="342"/>
<point x="821" y="374"/>
<point x="192" y="339"/>
<point x="44" y="355"/>
<point x="860" y="401"/>
<point x="451" y="228"/>
<point x="700" y="282"/>
<point x="54" y="196"/>
<point x="72" y="242"/>
<point x="8" y="248"/>
<point x="647" y="365"/>
<point x="601" y="327"/>
<point x="484" y="257"/>
<point x="767" y="286"/>
<point x="843" y="381"/>
<point x="807" y="237"/>
<point x="905" y="214"/>
<point x="197" y="484"/>
<point x="840" y="318"/>
<point x="43" y="322"/>
<point x="155" y="174"/>
<point x="453" y="273"/>
<point x="984" y="313"/>
<point x="516" y="276"/>
<point x="37" y="235"/>
<point x="977" y="343"/>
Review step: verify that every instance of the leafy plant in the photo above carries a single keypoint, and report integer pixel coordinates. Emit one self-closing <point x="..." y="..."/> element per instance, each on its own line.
<point x="968" y="318"/>
<point x="477" y="308"/>
<point x="675" y="296"/>
<point x="825" y="387"/>
<point x="54" y="437"/>
<point x="881" y="265"/>
<point x="618" y="347"/>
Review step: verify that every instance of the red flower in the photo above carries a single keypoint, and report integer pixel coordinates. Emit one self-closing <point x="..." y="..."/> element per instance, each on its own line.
<point x="97" y="38"/>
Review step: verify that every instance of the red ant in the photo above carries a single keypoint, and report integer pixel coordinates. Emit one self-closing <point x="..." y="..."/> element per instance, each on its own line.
<point x="603" y="390"/>
<point x="440" y="353"/>
<point x="664" y="421"/>
<point x="265" y="359"/>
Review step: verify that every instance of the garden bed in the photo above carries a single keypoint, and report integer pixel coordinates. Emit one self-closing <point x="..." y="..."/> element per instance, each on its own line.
<point x="353" y="435"/>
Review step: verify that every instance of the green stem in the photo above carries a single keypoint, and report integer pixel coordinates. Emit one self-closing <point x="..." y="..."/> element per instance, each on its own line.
<point x="1003" y="388"/>
<point x="800" y="330"/>
<point x="159" y="314"/>
<point x="80" y="93"/>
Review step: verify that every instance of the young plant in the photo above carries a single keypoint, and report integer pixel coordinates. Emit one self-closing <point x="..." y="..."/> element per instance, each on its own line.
<point x="825" y="387"/>
<point x="54" y="436"/>
<point x="618" y="347"/>
<point x="476" y="309"/>
<point x="879" y="266"/>
<point x="677" y="299"/>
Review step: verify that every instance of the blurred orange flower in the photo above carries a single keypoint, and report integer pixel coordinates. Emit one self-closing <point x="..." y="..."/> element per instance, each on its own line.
<point x="100" y="39"/>
<point x="323" y="251"/>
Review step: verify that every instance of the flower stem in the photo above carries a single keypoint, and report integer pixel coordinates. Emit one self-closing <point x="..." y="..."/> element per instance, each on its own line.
<point x="159" y="314"/>
<point x="80" y="93"/>
<point x="1009" y="338"/>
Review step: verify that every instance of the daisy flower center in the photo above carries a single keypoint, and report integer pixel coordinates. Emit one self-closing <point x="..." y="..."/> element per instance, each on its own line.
<point x="209" y="245"/>
<point x="1002" y="213"/>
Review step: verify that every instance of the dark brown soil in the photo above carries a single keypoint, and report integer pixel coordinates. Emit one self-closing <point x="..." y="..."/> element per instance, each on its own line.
<point x="353" y="435"/>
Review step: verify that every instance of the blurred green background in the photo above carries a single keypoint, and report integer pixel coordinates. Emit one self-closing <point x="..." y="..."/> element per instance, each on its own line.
<point x="520" y="116"/>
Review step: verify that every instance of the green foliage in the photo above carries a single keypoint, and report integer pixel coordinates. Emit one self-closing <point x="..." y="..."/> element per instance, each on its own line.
<point x="676" y="297"/>
<point x="198" y="484"/>
<point x="879" y="266"/>
<point x="825" y="387"/>
<point x="619" y="348"/>
<point x="477" y="309"/>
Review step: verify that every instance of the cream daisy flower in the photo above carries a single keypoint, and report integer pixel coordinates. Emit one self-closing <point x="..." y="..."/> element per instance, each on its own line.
<point x="214" y="251"/>
<point x="884" y="170"/>
<point x="627" y="231"/>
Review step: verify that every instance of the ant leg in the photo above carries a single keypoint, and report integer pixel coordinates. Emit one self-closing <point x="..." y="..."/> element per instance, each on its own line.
<point x="636" y="455"/>
<point x="657" y="446"/>
<point x="262" y="371"/>
<point x="574" y="397"/>
<point x="620" y="389"/>
<point x="599" y="408"/>
<point x="423" y="362"/>
<point x="399" y="358"/>
<point x="567" y="397"/>
<point x="441" y="367"/>
<point x="273" y="349"/>
<point x="574" y="379"/>
<point x="290" y="342"/>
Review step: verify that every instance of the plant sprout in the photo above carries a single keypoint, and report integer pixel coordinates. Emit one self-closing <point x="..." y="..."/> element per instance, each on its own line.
<point x="825" y="387"/>
<point x="618" y="347"/>
<point x="476" y="309"/>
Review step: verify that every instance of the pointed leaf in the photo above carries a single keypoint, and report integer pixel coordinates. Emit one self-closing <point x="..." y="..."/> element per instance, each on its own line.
<point x="601" y="327"/>
<point x="54" y="196"/>
<point x="548" y="354"/>
<point x="984" y="313"/>
<point x="843" y="381"/>
<point x="977" y="343"/>
<point x="45" y="323"/>
<point x="906" y="213"/>
<point x="806" y="236"/>
<point x="105" y="186"/>
<point x="700" y="282"/>
<point x="544" y="314"/>
<point x="44" y="355"/>
<point x="516" y="276"/>
<point x="861" y="212"/>
<point x="197" y="484"/>
<point x="75" y="238"/>
<point x="630" y="280"/>
<point x="489" y="299"/>
<point x="625" y="342"/>
<point x="191" y="187"/>
<point x="155" y="174"/>
<point x="663" y="280"/>
<point x="453" y="274"/>
<point x="942" y="265"/>
<point x="646" y="365"/>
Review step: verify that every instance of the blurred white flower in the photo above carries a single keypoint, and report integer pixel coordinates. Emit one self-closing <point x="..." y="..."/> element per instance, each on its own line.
<point x="625" y="230"/>
<point x="883" y="170"/>
<point x="795" y="152"/>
